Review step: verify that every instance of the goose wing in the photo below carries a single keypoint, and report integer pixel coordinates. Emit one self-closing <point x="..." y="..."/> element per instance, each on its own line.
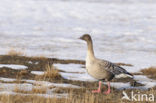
<point x="111" y="67"/>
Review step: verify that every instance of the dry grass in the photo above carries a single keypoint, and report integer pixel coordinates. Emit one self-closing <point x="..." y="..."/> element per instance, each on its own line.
<point x="75" y="97"/>
<point x="72" y="98"/>
<point x="150" y="72"/>
<point x="28" y="99"/>
<point x="13" y="52"/>
<point x="39" y="57"/>
<point x="50" y="72"/>
<point x="41" y="90"/>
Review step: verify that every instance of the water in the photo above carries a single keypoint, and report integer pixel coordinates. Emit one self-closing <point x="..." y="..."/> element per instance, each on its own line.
<point x="121" y="31"/>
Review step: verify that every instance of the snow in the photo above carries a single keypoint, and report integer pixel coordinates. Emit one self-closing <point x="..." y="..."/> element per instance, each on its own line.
<point x="74" y="72"/>
<point x="28" y="85"/>
<point x="70" y="68"/>
<point x="79" y="77"/>
<point x="41" y="83"/>
<point x="7" y="79"/>
<point x="13" y="66"/>
<point x="119" y="85"/>
<point x="42" y="95"/>
<point x="122" y="31"/>
<point x="13" y="86"/>
<point x="37" y="72"/>
<point x="30" y="62"/>
<point x="49" y="84"/>
<point x="149" y="83"/>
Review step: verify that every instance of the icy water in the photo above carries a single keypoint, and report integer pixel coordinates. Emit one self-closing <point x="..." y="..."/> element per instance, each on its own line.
<point x="121" y="31"/>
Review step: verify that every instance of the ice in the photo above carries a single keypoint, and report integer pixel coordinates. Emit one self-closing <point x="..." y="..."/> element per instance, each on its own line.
<point x="37" y="72"/>
<point x="122" y="31"/>
<point x="42" y="95"/>
<point x="149" y="83"/>
<point x="13" y="66"/>
<point x="29" y="85"/>
<point x="7" y="79"/>
<point x="70" y="68"/>
<point x="119" y="85"/>
<point x="48" y="84"/>
<point x="74" y="72"/>
<point x="13" y="86"/>
<point x="76" y="76"/>
<point x="30" y="82"/>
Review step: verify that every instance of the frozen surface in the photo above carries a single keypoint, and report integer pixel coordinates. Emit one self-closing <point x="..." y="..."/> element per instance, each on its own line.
<point x="75" y="68"/>
<point x="122" y="30"/>
<point x="30" y="82"/>
<point x="119" y="85"/>
<point x="29" y="85"/>
<point x="76" y="76"/>
<point x="149" y="83"/>
<point x="74" y="72"/>
<point x="37" y="72"/>
<point x="47" y="84"/>
<point x="7" y="79"/>
<point x="42" y="95"/>
<point x="13" y="86"/>
<point x="13" y="66"/>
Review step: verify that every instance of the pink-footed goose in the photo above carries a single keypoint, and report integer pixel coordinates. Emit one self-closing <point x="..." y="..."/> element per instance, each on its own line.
<point x="100" y="69"/>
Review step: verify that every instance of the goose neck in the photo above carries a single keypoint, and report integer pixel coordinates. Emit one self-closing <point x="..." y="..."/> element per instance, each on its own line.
<point x="90" y="51"/>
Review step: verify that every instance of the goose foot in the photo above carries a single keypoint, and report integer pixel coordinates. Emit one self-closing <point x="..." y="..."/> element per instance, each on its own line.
<point x="98" y="90"/>
<point x="108" y="91"/>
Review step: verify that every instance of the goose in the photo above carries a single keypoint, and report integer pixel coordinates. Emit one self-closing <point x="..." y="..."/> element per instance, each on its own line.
<point x="101" y="69"/>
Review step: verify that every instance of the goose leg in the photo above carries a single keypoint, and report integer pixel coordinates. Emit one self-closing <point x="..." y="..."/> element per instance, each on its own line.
<point x="98" y="90"/>
<point x="108" y="91"/>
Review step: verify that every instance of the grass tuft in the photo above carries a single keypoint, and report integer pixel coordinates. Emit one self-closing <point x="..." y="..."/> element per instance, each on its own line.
<point x="35" y="90"/>
<point x="50" y="73"/>
<point x="13" y="52"/>
<point x="151" y="72"/>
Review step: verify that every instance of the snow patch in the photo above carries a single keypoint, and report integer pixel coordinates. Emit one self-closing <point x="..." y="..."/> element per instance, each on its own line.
<point x="13" y="66"/>
<point x="42" y="95"/>
<point x="7" y="79"/>
<point x="149" y="83"/>
<point x="37" y="72"/>
<point x="76" y="76"/>
<point x="70" y="67"/>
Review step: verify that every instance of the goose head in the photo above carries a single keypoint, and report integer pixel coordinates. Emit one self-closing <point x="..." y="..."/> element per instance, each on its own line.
<point x="86" y="37"/>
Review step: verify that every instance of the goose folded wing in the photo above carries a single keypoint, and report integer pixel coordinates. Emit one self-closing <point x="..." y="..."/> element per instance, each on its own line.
<point x="115" y="69"/>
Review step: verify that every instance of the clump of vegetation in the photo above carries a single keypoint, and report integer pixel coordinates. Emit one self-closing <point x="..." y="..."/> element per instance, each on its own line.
<point x="35" y="90"/>
<point x="13" y="52"/>
<point x="150" y="72"/>
<point x="75" y="96"/>
<point x="42" y="90"/>
<point x="50" y="73"/>
<point x="28" y="99"/>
